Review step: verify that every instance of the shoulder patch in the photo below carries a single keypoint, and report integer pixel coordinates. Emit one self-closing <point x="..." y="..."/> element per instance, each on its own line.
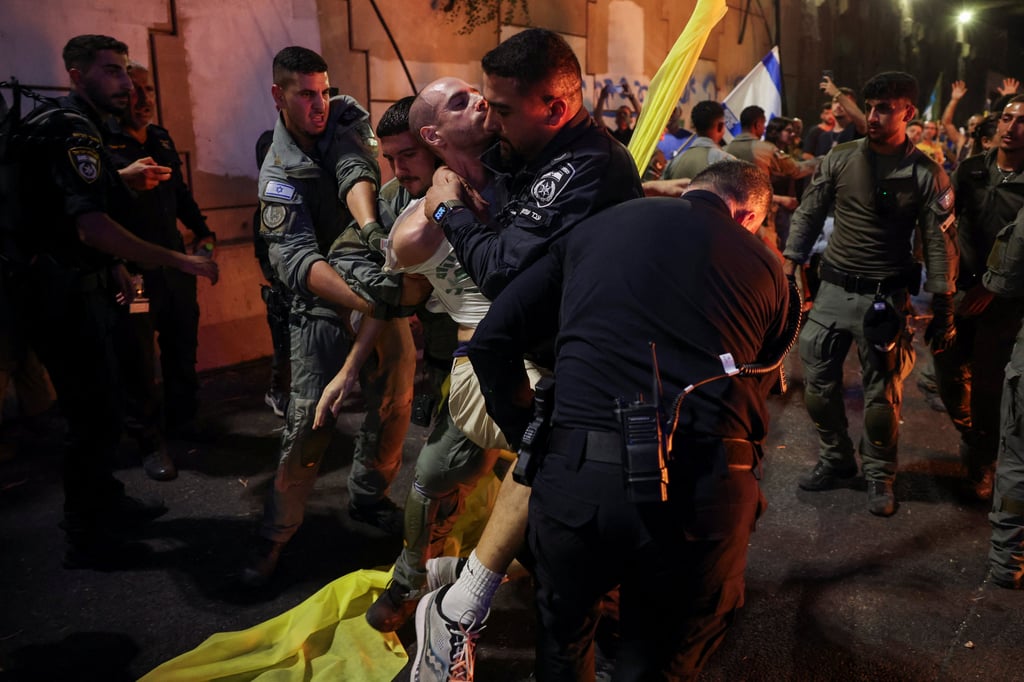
<point x="86" y="162"/>
<point x="279" y="190"/>
<point x="274" y="215"/>
<point x="548" y="186"/>
<point x="945" y="199"/>
<point x="350" y="116"/>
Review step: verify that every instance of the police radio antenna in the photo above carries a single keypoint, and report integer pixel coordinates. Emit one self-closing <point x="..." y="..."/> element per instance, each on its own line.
<point x="656" y="388"/>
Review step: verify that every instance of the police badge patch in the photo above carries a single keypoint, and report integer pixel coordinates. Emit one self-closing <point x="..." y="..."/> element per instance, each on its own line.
<point x="274" y="215"/>
<point x="86" y="162"/>
<point x="547" y="188"/>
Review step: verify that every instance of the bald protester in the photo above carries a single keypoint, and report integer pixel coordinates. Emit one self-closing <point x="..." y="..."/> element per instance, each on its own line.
<point x="448" y="117"/>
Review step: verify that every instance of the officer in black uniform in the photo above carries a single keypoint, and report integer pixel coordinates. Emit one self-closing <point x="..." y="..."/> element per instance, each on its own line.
<point x="689" y="277"/>
<point x="68" y="288"/>
<point x="548" y="180"/>
<point x="173" y="308"/>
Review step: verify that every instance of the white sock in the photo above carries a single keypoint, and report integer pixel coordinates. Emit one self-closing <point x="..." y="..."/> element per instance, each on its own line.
<point x="469" y="599"/>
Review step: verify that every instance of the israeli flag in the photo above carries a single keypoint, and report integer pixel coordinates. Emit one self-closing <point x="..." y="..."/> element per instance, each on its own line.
<point x="762" y="86"/>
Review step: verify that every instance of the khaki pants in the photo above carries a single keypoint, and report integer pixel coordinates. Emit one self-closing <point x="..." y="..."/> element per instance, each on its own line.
<point x="466" y="403"/>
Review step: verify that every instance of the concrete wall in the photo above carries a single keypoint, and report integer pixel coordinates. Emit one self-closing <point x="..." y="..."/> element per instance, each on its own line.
<point x="211" y="62"/>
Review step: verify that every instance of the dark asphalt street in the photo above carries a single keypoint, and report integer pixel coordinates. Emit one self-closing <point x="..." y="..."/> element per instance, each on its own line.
<point x="833" y="593"/>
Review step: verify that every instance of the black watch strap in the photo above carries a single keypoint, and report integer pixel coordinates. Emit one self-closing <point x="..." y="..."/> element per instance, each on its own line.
<point x="445" y="208"/>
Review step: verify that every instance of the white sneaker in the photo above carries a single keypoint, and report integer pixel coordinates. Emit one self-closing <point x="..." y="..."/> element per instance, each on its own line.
<point x="443" y="570"/>
<point x="445" y="649"/>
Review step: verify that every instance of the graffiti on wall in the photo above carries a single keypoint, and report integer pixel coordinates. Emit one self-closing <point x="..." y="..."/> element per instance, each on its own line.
<point x="701" y="86"/>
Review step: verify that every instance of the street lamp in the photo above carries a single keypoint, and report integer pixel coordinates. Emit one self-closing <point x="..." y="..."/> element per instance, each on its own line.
<point x="964" y="17"/>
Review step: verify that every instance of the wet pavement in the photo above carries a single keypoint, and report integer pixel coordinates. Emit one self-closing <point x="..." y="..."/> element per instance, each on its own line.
<point x="833" y="593"/>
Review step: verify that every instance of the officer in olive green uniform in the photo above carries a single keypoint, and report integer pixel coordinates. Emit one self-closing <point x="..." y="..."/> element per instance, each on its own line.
<point x="1005" y="277"/>
<point x="708" y="118"/>
<point x="308" y="198"/>
<point x="882" y="186"/>
<point x="989" y="193"/>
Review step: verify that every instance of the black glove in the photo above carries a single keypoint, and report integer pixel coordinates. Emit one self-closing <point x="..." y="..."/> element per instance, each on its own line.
<point x="941" y="331"/>
<point x="372" y="233"/>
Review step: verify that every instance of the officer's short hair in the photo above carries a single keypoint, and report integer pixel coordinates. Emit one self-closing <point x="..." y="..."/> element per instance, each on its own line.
<point x="705" y="114"/>
<point x="80" y="52"/>
<point x="536" y="57"/>
<point x="295" y="59"/>
<point x="916" y="122"/>
<point x="739" y="181"/>
<point x="1005" y="101"/>
<point x="892" y="85"/>
<point x="395" y="120"/>
<point x="750" y="116"/>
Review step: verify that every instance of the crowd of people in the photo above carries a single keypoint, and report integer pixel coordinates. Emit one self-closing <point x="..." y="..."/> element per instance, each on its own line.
<point x="506" y="231"/>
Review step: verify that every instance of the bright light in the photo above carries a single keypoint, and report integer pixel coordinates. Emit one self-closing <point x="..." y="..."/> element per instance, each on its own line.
<point x="964" y="17"/>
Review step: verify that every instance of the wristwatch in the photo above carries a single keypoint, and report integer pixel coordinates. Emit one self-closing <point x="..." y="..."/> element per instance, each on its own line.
<point x="446" y="207"/>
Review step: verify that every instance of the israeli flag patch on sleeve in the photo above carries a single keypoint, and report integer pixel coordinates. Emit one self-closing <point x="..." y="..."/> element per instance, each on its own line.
<point x="279" y="190"/>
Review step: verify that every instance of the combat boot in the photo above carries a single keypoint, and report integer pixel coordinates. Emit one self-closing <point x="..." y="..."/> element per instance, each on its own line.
<point x="824" y="476"/>
<point x="881" y="498"/>
<point x="393" y="607"/>
<point x="261" y="563"/>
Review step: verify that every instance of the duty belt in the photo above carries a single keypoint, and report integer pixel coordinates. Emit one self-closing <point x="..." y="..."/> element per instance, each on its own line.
<point x="597" y="446"/>
<point x="859" y="284"/>
<point x="606" y="447"/>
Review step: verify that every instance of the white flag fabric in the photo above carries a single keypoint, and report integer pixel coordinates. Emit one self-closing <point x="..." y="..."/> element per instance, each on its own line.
<point x="762" y="86"/>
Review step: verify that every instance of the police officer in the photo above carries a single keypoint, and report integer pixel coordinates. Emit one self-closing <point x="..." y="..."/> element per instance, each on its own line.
<point x="1005" y="277"/>
<point x="317" y="188"/>
<point x="773" y="162"/>
<point x="989" y="194"/>
<point x="708" y="119"/>
<point x="173" y="308"/>
<point x="554" y="166"/>
<point x="689" y="277"/>
<point x="882" y="187"/>
<point x="68" y="290"/>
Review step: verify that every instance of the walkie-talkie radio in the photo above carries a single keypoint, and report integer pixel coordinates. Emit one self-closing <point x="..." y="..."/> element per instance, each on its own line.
<point x="644" y="444"/>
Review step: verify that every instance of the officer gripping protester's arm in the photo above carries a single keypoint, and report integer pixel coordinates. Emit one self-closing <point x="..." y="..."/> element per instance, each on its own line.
<point x="317" y="188"/>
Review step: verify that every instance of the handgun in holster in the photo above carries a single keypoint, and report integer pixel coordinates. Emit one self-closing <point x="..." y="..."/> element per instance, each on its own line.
<point x="534" y="443"/>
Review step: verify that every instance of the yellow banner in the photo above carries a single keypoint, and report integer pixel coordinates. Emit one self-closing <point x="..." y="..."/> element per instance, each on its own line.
<point x="325" y="638"/>
<point x="668" y="83"/>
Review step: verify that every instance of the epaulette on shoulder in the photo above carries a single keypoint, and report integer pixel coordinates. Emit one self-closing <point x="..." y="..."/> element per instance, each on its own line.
<point x="346" y="110"/>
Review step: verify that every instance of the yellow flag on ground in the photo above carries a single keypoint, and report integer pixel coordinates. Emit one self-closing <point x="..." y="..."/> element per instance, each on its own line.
<point x="668" y="83"/>
<point x="325" y="638"/>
